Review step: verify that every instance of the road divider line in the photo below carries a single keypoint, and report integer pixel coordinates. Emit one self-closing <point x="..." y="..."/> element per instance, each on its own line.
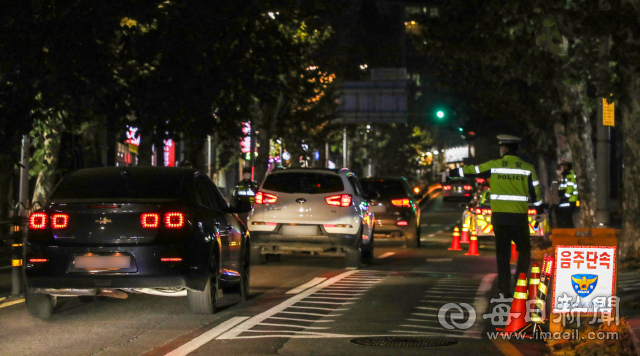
<point x="296" y="326"/>
<point x="11" y="302"/>
<point x="207" y="336"/>
<point x="239" y="329"/>
<point x="387" y="254"/>
<point x="307" y="285"/>
<point x="302" y="320"/>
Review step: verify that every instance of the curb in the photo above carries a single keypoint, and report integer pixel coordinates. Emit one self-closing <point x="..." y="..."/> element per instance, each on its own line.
<point x="634" y="324"/>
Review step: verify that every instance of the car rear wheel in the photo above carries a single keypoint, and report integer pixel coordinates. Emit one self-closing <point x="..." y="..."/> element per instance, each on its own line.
<point x="204" y="302"/>
<point x="367" y="251"/>
<point x="257" y="258"/>
<point x="40" y="305"/>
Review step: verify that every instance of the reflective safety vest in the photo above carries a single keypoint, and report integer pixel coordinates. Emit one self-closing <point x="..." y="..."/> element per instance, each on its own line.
<point x="514" y="183"/>
<point x="245" y="191"/>
<point x="568" y="189"/>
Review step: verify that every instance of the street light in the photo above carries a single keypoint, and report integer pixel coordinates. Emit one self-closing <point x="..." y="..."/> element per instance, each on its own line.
<point x="440" y="114"/>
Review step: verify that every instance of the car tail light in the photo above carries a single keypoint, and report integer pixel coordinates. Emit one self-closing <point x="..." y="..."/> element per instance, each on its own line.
<point x="401" y="202"/>
<point x="38" y="260"/>
<point x="467" y="187"/>
<point x="265" y="198"/>
<point x="533" y="212"/>
<point x="38" y="221"/>
<point x="174" y="220"/>
<point x="483" y="211"/>
<point x="480" y="180"/>
<point x="171" y="259"/>
<point x="60" y="221"/>
<point x="343" y="200"/>
<point x="402" y="223"/>
<point x="447" y="187"/>
<point x="150" y="220"/>
<point x="337" y="225"/>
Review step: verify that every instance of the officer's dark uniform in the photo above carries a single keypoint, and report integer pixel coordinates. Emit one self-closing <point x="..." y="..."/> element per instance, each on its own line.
<point x="245" y="189"/>
<point x="514" y="184"/>
<point x="568" y="194"/>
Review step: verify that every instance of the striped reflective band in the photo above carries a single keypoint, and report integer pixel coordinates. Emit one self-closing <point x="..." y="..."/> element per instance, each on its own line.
<point x="474" y="237"/>
<point x="538" y="203"/>
<point x="509" y="197"/>
<point x="535" y="318"/>
<point x="572" y="184"/>
<point x="540" y="303"/>
<point x="521" y="282"/>
<point x="542" y="288"/>
<point x="477" y="169"/>
<point x="535" y="269"/>
<point x="535" y="183"/>
<point x="518" y="295"/>
<point x="534" y="281"/>
<point x="575" y="192"/>
<point x="564" y="205"/>
<point x="521" y="172"/>
<point x="567" y="195"/>
<point x="460" y="172"/>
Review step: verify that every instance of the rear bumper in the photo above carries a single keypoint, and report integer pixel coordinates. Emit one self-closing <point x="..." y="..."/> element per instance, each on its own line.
<point x="146" y="269"/>
<point x="274" y="243"/>
<point x="390" y="226"/>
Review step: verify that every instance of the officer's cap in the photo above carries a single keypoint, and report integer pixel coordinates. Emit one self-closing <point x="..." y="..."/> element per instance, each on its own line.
<point x="566" y="161"/>
<point x="246" y="170"/>
<point x="508" y="140"/>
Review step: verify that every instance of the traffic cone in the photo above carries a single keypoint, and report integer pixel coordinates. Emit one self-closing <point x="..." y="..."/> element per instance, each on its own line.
<point x="455" y="243"/>
<point x="473" y="244"/>
<point x="518" y="310"/>
<point x="464" y="238"/>
<point x="534" y="281"/>
<point x="514" y="252"/>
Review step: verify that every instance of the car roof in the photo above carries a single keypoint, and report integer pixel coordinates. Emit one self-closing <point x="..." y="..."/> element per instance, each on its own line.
<point x="137" y="170"/>
<point x="307" y="170"/>
<point x="382" y="178"/>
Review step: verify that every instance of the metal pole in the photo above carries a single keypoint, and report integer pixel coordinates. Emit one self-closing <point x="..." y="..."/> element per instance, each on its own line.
<point x="209" y="157"/>
<point x="344" y="147"/>
<point x="603" y="190"/>
<point x="23" y="193"/>
<point x="19" y="230"/>
<point x="326" y="154"/>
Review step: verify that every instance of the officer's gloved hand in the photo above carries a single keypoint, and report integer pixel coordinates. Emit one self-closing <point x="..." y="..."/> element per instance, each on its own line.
<point x="445" y="175"/>
<point x="540" y="218"/>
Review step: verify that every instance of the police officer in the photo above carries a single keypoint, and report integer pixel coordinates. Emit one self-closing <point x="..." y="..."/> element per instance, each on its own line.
<point x="246" y="188"/>
<point x="514" y="184"/>
<point x="568" y="194"/>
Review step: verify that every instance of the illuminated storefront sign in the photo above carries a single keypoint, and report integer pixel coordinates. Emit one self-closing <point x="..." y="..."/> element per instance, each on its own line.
<point x="456" y="154"/>
<point x="133" y="139"/>
<point x="169" y="153"/>
<point x="245" y="143"/>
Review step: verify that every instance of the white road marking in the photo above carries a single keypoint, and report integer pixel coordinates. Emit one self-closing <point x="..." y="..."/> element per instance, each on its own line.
<point x="425" y="314"/>
<point x="432" y="235"/>
<point x="296" y="326"/>
<point x="423" y="320"/>
<point x="355" y="289"/>
<point x="428" y="308"/>
<point x="385" y="255"/>
<point x="332" y="303"/>
<point x="480" y="304"/>
<point x="303" y="313"/>
<point x="332" y="298"/>
<point x="12" y="302"/>
<point x="345" y="294"/>
<point x="239" y="329"/>
<point x="207" y="336"/>
<point x="317" y="308"/>
<point x="306" y="286"/>
<point x="303" y="320"/>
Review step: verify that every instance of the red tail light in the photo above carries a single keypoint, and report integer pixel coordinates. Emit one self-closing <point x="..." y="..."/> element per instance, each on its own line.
<point x="174" y="220"/>
<point x="265" y="198"/>
<point x="467" y="187"/>
<point x="532" y="212"/>
<point x="402" y="223"/>
<point x="150" y="220"/>
<point x="38" y="260"/>
<point x="343" y="200"/>
<point x="60" y="221"/>
<point x="483" y="211"/>
<point x="480" y="180"/>
<point x="401" y="202"/>
<point x="447" y="187"/>
<point x="38" y="221"/>
<point x="171" y="259"/>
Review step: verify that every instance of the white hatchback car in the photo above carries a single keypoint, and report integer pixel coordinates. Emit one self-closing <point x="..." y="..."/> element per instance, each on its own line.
<point x="319" y="211"/>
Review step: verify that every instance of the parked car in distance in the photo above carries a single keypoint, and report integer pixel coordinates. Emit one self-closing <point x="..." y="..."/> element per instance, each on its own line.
<point x="395" y="208"/>
<point x="319" y="211"/>
<point x="458" y="189"/>
<point x="118" y="230"/>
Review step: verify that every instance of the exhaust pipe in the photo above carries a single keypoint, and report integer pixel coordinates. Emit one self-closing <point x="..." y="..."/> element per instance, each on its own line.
<point x="65" y="292"/>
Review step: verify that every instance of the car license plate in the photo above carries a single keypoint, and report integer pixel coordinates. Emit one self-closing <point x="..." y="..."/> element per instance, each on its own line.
<point x="300" y="230"/>
<point x="378" y="209"/>
<point x="102" y="262"/>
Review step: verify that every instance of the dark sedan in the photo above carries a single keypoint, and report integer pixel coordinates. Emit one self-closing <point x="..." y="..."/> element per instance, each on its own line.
<point x="395" y="210"/>
<point x="118" y="230"/>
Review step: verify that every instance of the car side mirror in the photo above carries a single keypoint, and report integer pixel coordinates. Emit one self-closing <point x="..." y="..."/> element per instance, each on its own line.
<point x="242" y="207"/>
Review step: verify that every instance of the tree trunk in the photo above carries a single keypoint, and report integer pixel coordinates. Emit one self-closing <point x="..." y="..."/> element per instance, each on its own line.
<point x="579" y="134"/>
<point x="630" y="240"/>
<point x="6" y="171"/>
<point x="46" y="176"/>
<point x="262" y="161"/>
<point x="543" y="177"/>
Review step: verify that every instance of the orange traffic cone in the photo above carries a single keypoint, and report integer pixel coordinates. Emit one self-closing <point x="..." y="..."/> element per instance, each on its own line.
<point x="534" y="281"/>
<point x="514" y="252"/>
<point x="518" y="310"/>
<point x="473" y="244"/>
<point x="455" y="243"/>
<point x="464" y="238"/>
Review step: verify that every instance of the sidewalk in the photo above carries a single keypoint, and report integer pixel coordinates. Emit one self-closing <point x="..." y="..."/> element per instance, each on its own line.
<point x="629" y="292"/>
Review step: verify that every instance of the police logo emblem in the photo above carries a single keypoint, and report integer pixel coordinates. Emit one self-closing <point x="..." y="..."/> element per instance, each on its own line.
<point x="584" y="284"/>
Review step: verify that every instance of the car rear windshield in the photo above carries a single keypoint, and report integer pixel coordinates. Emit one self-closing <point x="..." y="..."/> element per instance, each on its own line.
<point x="301" y="182"/>
<point x="384" y="187"/>
<point x="112" y="184"/>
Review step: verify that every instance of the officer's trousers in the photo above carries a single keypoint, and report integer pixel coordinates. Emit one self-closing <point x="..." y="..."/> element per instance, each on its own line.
<point x="505" y="233"/>
<point x="565" y="216"/>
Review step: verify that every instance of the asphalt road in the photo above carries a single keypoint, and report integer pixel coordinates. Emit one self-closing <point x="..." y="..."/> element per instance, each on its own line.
<point x="399" y="295"/>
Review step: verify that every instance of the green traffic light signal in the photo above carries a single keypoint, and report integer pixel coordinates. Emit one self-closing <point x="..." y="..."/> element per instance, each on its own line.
<point x="440" y="114"/>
